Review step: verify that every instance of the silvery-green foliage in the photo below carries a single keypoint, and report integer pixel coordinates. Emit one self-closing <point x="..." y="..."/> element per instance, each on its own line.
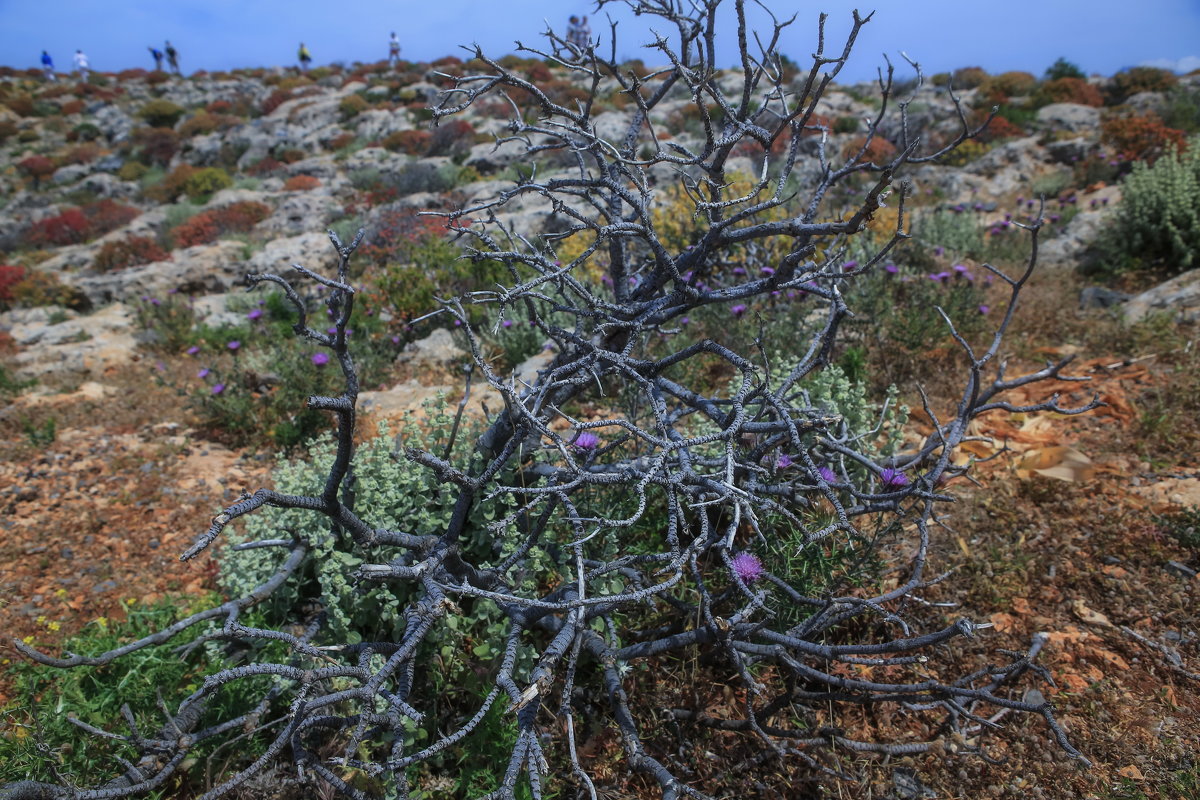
<point x="1159" y="216"/>
<point x="390" y="492"/>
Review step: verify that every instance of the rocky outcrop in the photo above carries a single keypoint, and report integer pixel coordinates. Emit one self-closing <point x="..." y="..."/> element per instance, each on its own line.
<point x="1178" y="297"/>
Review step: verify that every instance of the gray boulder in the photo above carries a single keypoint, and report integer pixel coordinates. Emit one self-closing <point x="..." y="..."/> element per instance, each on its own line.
<point x="1069" y="116"/>
<point x="1179" y="297"/>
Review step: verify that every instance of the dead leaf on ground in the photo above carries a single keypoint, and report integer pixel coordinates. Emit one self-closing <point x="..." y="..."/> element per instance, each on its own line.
<point x="1061" y="462"/>
<point x="1089" y="616"/>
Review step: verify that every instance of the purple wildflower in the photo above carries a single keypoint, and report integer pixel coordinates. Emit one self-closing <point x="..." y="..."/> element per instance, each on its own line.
<point x="587" y="441"/>
<point x="191" y="351"/>
<point x="984" y="309"/>
<point x="784" y="461"/>
<point x="939" y="250"/>
<point x="827" y="475"/>
<point x="739" y="271"/>
<point x="203" y="373"/>
<point x="684" y="320"/>
<point x="747" y="567"/>
<point x="507" y="323"/>
<point x="738" y="310"/>
<point x="893" y="478"/>
<point x="891" y="269"/>
<point x="254" y="314"/>
<point x="234" y="345"/>
<point x="320" y="359"/>
<point x="849" y="265"/>
<point x="768" y="271"/>
<point x="218" y="388"/>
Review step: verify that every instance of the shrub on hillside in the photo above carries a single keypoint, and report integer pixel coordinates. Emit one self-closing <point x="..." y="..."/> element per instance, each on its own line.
<point x="1068" y="90"/>
<point x="1157" y="224"/>
<point x="132" y="251"/>
<point x="454" y="138"/>
<point x="10" y="276"/>
<point x="160" y="113"/>
<point x="76" y="225"/>
<point x="37" y="167"/>
<point x="412" y="142"/>
<point x="878" y="150"/>
<point x="206" y="181"/>
<point x="155" y="146"/>
<point x="1141" y="137"/>
<point x="301" y="183"/>
<point x="1063" y="69"/>
<point x="968" y="77"/>
<point x="1129" y="82"/>
<point x="1007" y="84"/>
<point x="206" y="122"/>
<point x="207" y="226"/>
<point x="40" y="288"/>
<point x="352" y="105"/>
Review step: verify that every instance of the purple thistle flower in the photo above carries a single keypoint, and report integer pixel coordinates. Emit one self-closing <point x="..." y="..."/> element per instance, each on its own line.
<point x="959" y="268"/>
<point x="893" y="478"/>
<point x="254" y="314"/>
<point x="784" y="461"/>
<point x="984" y="309"/>
<point x="395" y="340"/>
<point x="768" y="271"/>
<point x="191" y="351"/>
<point x="203" y="373"/>
<point x="234" y="345"/>
<point x="507" y="323"/>
<point x="684" y="320"/>
<point x="737" y="310"/>
<point x="849" y="265"/>
<point x="891" y="269"/>
<point x="218" y="388"/>
<point x="939" y="250"/>
<point x="587" y="441"/>
<point x="747" y="567"/>
<point x="827" y="475"/>
<point x="739" y="271"/>
<point x="320" y="359"/>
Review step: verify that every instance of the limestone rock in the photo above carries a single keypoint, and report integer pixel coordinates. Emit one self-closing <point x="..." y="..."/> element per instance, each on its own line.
<point x="438" y="349"/>
<point x="1179" y="297"/>
<point x="84" y="345"/>
<point x="1069" y="116"/>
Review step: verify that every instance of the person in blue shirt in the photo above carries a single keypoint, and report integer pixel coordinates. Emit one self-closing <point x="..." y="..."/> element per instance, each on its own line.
<point x="48" y="66"/>
<point x="158" y="57"/>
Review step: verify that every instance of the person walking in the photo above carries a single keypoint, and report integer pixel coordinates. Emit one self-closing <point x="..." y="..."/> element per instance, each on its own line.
<point x="48" y="66"/>
<point x="158" y="56"/>
<point x="583" y="34"/>
<point x="305" y="58"/>
<point x="393" y="50"/>
<point x="173" y="58"/>
<point x="572" y="29"/>
<point x="81" y="64"/>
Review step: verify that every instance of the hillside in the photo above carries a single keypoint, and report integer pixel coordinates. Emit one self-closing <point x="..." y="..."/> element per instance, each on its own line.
<point x="143" y="388"/>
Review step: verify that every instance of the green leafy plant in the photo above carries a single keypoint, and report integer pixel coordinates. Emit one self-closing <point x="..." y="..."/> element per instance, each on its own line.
<point x="1157" y="225"/>
<point x="161" y="113"/>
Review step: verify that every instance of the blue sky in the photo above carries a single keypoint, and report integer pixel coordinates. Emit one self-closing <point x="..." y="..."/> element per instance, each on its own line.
<point x="1099" y="35"/>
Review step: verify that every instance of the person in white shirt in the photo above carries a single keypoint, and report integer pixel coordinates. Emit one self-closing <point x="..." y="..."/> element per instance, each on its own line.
<point x="393" y="50"/>
<point x="81" y="64"/>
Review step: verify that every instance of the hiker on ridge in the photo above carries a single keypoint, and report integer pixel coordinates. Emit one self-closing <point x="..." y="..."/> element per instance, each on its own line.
<point x="81" y="64"/>
<point x="48" y="66"/>
<point x="393" y="50"/>
<point x="583" y="35"/>
<point x="158" y="56"/>
<point x="173" y="58"/>
<point x="572" y="29"/>
<point x="305" y="58"/>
